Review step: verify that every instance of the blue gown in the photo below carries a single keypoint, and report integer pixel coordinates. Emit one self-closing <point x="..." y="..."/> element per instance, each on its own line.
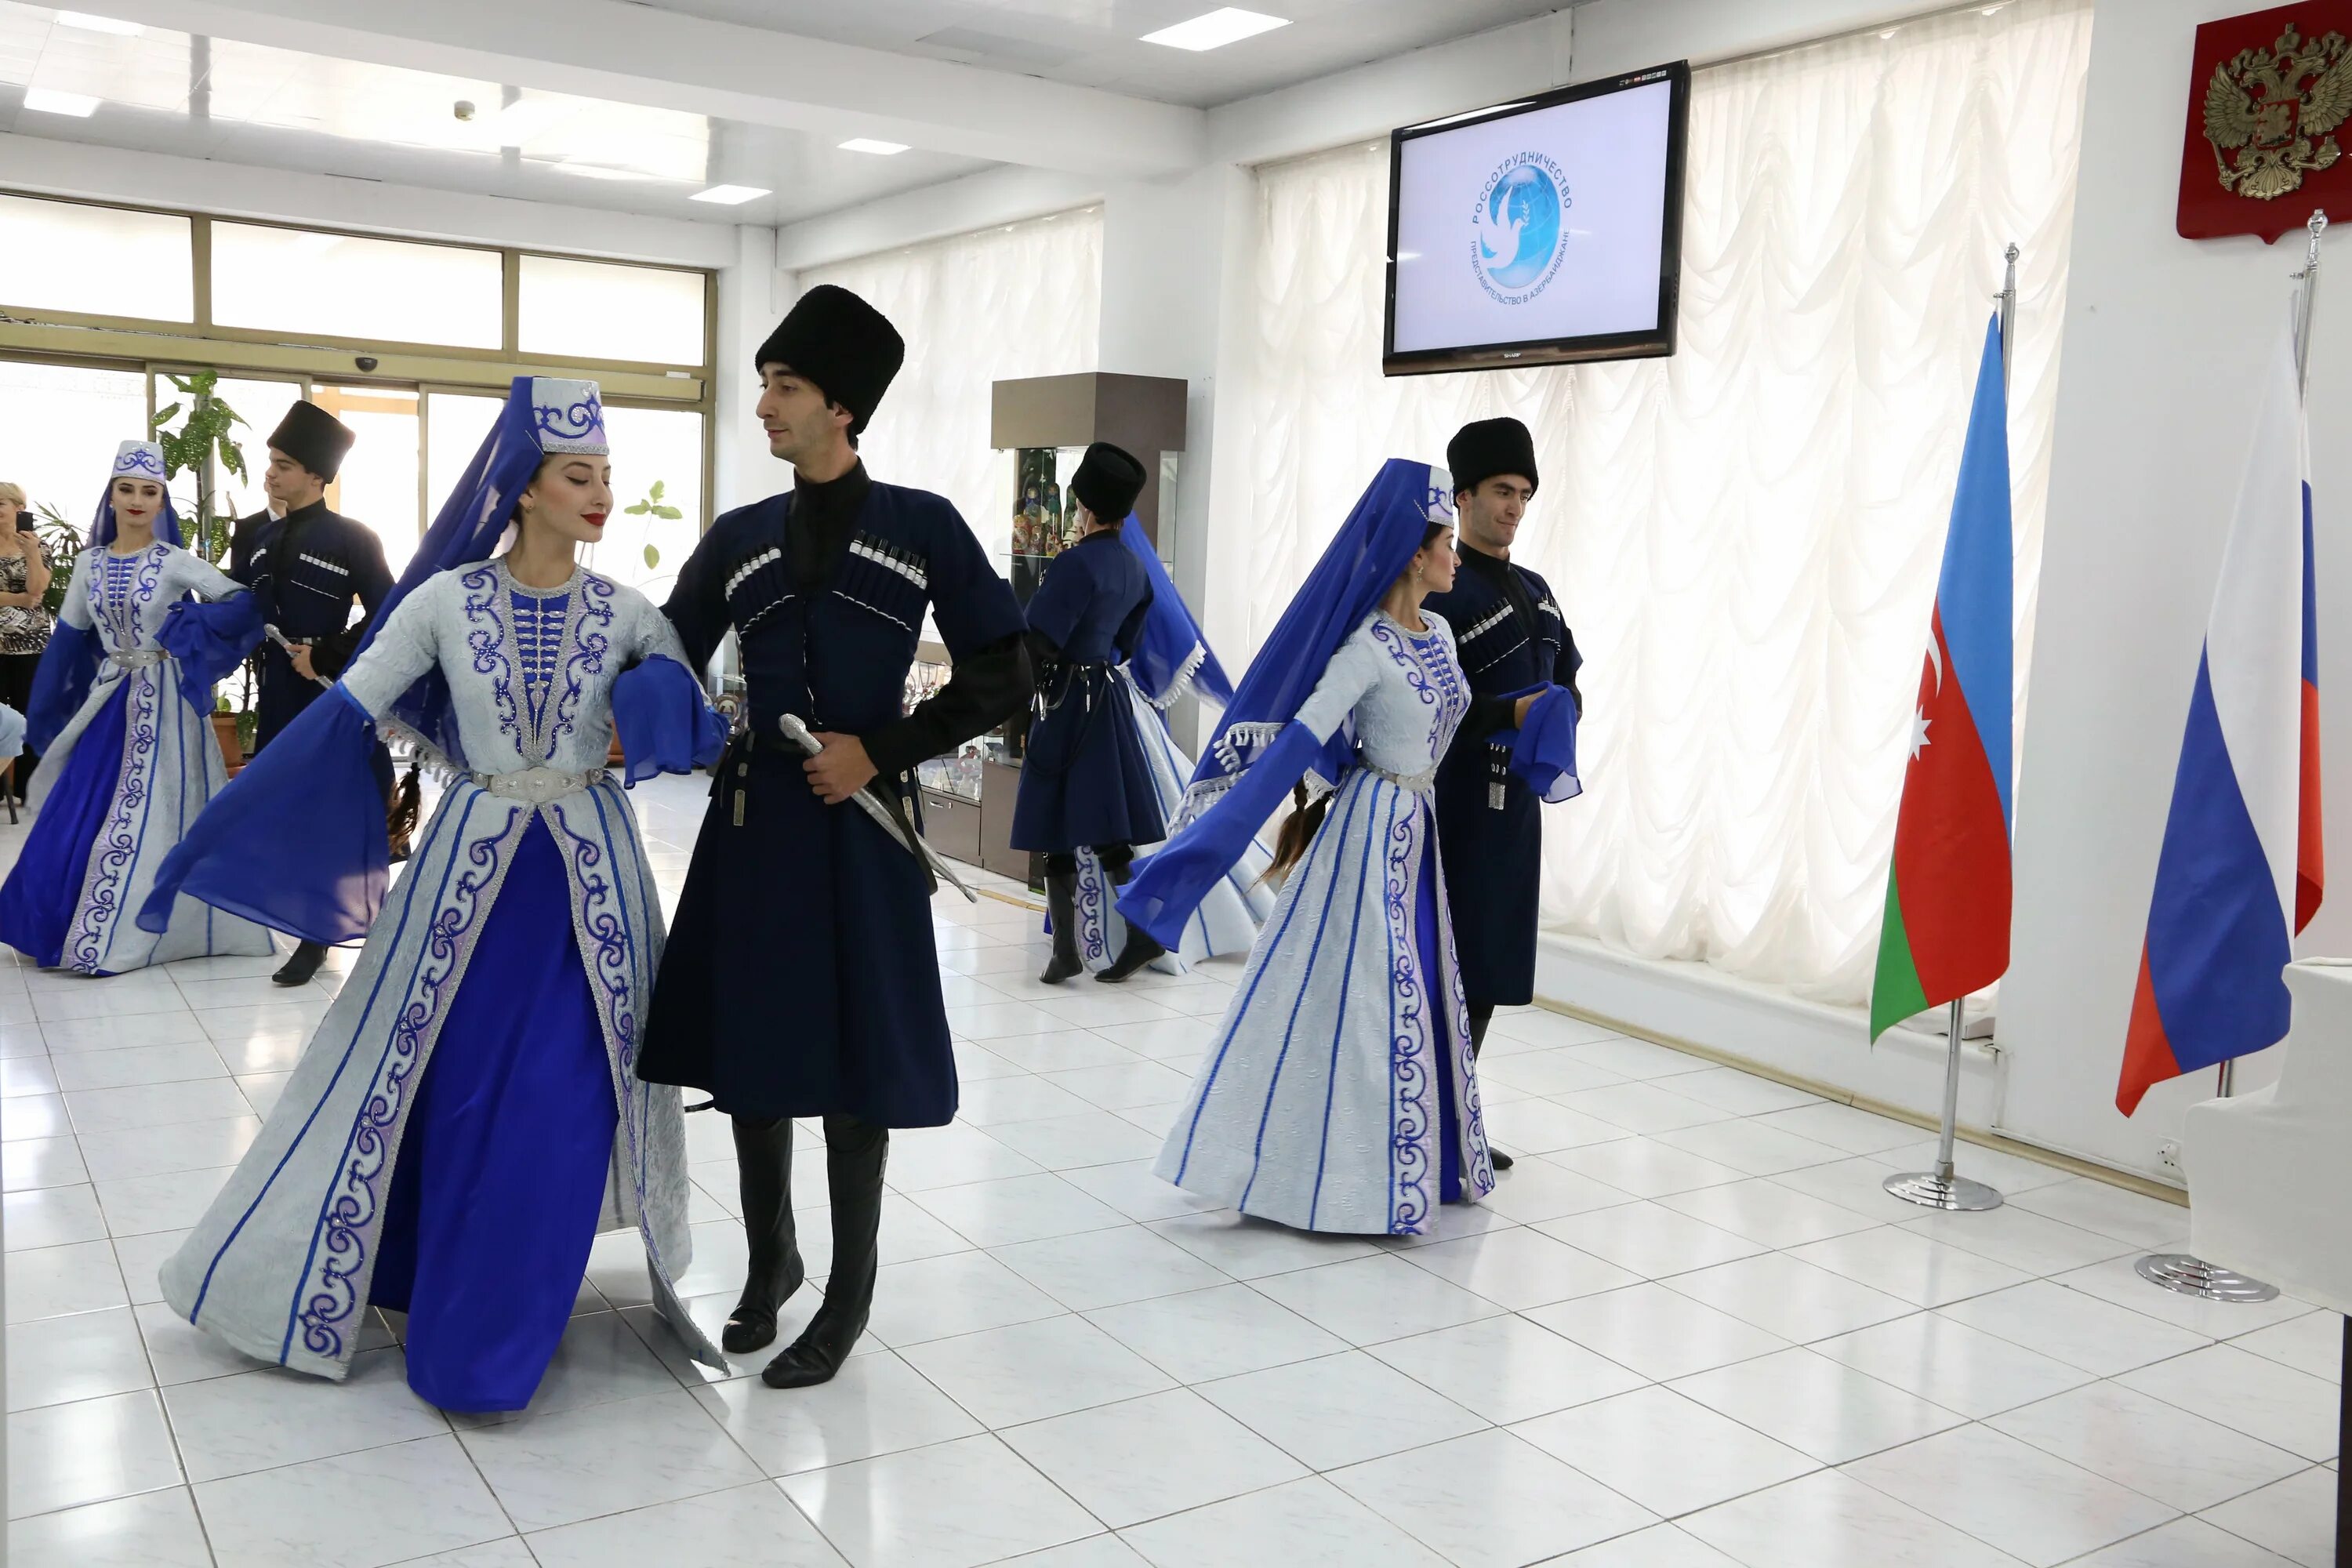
<point x="467" y="1116"/>
<point x="122" y="707"/>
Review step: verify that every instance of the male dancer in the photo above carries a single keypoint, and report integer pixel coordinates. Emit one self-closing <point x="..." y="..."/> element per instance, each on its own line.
<point x="800" y="977"/>
<point x="306" y="567"/>
<point x="1510" y="637"/>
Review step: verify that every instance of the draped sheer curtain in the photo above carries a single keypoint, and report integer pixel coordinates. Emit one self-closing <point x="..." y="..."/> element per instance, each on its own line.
<point x="1745" y="537"/>
<point x="1021" y="299"/>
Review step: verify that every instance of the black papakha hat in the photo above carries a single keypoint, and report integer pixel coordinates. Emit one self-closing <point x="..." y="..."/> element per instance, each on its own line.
<point x="1107" y="481"/>
<point x="314" y="439"/>
<point x="1484" y="448"/>
<point x="840" y="344"/>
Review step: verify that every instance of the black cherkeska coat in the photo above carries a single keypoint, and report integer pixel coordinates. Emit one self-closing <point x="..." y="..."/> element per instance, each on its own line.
<point x="1510" y="637"/>
<point x="800" y="977"/>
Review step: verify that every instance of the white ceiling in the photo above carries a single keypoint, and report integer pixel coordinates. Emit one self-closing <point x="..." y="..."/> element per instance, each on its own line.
<point x="164" y="92"/>
<point x="177" y="92"/>
<point x="1097" y="43"/>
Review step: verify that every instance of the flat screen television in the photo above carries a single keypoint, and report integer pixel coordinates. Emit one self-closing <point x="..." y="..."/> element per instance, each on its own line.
<point x="1541" y="231"/>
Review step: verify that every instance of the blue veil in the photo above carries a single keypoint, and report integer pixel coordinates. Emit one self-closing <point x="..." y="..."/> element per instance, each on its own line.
<point x="1173" y="654"/>
<point x="137" y="461"/>
<point x="1258" y="750"/>
<point x="542" y="415"/>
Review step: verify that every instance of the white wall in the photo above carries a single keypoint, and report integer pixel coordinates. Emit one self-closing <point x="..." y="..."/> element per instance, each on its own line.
<point x="2163" y="340"/>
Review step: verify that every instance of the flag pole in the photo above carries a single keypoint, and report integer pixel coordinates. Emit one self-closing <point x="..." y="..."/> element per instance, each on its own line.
<point x="2181" y="1272"/>
<point x="1944" y="1188"/>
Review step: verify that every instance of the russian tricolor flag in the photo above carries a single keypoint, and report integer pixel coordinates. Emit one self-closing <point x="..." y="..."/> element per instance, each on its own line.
<point x="2240" y="872"/>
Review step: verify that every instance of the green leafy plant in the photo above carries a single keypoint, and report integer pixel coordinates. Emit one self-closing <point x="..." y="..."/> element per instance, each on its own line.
<point x="202" y="437"/>
<point x="62" y="541"/>
<point x="653" y="506"/>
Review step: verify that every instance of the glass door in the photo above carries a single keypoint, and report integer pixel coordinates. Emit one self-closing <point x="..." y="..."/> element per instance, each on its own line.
<point x="382" y="483"/>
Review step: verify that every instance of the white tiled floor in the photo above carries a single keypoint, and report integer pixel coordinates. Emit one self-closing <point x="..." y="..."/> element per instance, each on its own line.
<point x="1689" y="1332"/>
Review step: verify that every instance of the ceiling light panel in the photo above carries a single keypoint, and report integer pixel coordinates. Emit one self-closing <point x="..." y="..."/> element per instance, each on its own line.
<point x="1217" y="28"/>
<point x="867" y="144"/>
<point x="729" y="195"/>
<point x="90" y="24"/>
<point x="49" y="100"/>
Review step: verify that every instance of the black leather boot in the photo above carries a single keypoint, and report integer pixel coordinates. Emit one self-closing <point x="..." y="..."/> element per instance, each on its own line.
<point x="298" y="970"/>
<point x="1480" y="1017"/>
<point x="854" y="1153"/>
<point x="763" y="1164"/>
<point x="1138" y="950"/>
<point x="1062" y="904"/>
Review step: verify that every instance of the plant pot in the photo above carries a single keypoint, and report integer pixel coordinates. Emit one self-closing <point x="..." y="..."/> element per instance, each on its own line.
<point x="224" y="734"/>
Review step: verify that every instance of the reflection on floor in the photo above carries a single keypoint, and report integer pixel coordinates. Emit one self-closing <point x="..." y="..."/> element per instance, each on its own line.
<point x="1689" y="1332"/>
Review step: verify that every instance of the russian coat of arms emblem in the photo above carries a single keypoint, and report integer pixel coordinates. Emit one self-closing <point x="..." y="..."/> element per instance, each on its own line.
<point x="2270" y="117"/>
<point x="2271" y="114"/>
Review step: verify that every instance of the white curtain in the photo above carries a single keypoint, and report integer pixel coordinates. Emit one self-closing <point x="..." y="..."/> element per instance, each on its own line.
<point x="1745" y="536"/>
<point x="1022" y="300"/>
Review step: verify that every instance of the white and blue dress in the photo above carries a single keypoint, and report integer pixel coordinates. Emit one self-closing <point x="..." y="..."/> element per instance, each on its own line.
<point x="1339" y="1093"/>
<point x="121" y="713"/>
<point x="468" y="1115"/>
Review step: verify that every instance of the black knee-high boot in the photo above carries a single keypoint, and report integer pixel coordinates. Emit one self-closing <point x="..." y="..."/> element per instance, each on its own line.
<point x="1481" y="1015"/>
<point x="854" y="1153"/>
<point x="1141" y="947"/>
<point x="764" y="1166"/>
<point x="1062" y="904"/>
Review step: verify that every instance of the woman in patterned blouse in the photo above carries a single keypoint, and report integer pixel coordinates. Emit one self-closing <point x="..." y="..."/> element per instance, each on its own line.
<point x="23" y="624"/>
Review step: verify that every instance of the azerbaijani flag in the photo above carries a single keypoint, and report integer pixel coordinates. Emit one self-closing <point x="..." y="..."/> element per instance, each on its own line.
<point x="2240" y="872"/>
<point x="1948" y="893"/>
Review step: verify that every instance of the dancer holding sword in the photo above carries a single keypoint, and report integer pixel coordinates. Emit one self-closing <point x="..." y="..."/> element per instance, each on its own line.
<point x="790" y="900"/>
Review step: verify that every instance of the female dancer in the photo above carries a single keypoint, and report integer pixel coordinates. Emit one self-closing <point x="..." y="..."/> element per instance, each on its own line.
<point x="463" y="1185"/>
<point x="1340" y="1094"/>
<point x="121" y="718"/>
<point x="1172" y="659"/>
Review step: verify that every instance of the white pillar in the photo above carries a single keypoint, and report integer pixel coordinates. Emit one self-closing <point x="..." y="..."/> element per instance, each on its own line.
<point x="1176" y="266"/>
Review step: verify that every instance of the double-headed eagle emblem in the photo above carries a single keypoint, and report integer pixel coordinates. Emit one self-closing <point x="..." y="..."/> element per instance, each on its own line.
<point x="2271" y="114"/>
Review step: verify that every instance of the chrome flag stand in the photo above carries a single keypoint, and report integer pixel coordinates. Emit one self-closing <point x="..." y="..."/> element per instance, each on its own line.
<point x="2183" y="1272"/>
<point x="1943" y="1188"/>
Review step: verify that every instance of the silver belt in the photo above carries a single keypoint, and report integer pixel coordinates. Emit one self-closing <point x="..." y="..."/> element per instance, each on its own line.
<point x="539" y="786"/>
<point x="139" y="657"/>
<point x="1421" y="783"/>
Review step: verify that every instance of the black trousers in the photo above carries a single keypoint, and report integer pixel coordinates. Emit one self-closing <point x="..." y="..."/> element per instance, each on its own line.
<point x="17" y="691"/>
<point x="1481" y="1015"/>
<point x="1116" y="859"/>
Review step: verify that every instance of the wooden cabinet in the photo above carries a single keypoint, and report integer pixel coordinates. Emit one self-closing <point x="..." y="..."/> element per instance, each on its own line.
<point x="952" y="825"/>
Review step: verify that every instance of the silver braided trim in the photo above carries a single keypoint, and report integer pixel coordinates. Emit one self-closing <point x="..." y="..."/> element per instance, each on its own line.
<point x="1181" y="681"/>
<point x="139" y="657"/>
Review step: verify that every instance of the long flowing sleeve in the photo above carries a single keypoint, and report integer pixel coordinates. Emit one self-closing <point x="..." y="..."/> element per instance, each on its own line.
<point x="296" y="841"/>
<point x="211" y="635"/>
<point x="1543" y="751"/>
<point x="666" y="722"/>
<point x="61" y="681"/>
<point x="1169" y="886"/>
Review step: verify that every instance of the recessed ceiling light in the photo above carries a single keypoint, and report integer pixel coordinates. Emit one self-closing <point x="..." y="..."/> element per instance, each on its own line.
<point x="867" y="144"/>
<point x="91" y="23"/>
<point x="599" y="171"/>
<point x="1229" y="25"/>
<point x="46" y="101"/>
<point x="729" y="195"/>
